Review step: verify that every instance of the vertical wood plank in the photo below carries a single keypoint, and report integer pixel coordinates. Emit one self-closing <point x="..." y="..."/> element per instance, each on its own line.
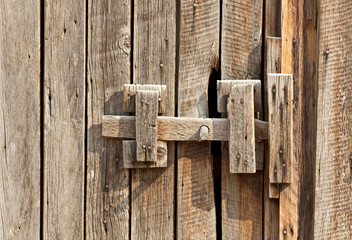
<point x="146" y="125"/>
<point x="241" y="59"/>
<point x="64" y="119"/>
<point x="242" y="138"/>
<point x="271" y="206"/>
<point x="279" y="88"/>
<point x="154" y="49"/>
<point x="20" y="119"/>
<point x="333" y="177"/>
<point x="198" y="54"/>
<point x="109" y="48"/>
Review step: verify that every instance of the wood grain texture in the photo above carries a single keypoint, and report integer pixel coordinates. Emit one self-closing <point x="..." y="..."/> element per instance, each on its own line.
<point x="272" y="17"/>
<point x="146" y="125"/>
<point x="224" y="88"/>
<point x="199" y="25"/>
<point x="272" y="64"/>
<point x="107" y="193"/>
<point x="64" y="119"/>
<point x="240" y="111"/>
<point x="129" y="155"/>
<point x="178" y="129"/>
<point x="241" y="57"/>
<point x="20" y="119"/>
<point x="280" y="97"/>
<point x="130" y="91"/>
<point x="154" y="49"/>
<point x="333" y="192"/>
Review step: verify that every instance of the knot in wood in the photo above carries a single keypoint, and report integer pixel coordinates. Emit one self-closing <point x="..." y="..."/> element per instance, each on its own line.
<point x="203" y="132"/>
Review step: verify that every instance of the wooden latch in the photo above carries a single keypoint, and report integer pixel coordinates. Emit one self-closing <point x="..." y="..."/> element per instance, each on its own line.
<point x="241" y="100"/>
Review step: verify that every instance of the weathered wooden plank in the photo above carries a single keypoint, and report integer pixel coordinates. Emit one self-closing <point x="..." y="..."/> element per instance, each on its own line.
<point x="107" y="192"/>
<point x="146" y="125"/>
<point x="198" y="53"/>
<point x="272" y="17"/>
<point x="20" y="119"/>
<point x="130" y="91"/>
<point x="224" y="89"/>
<point x="280" y="97"/>
<point x="240" y="110"/>
<point x="129" y="155"/>
<point x="154" y="49"/>
<point x="178" y="129"/>
<point x="241" y="41"/>
<point x="333" y="192"/>
<point x="64" y="119"/>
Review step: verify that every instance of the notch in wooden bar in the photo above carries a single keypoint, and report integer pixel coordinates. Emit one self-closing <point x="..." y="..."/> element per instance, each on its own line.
<point x="240" y="110"/>
<point x="280" y="97"/>
<point x="146" y="125"/>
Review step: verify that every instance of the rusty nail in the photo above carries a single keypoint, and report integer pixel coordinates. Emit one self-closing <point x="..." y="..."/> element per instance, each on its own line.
<point x="159" y="99"/>
<point x="245" y="162"/>
<point x="275" y="170"/>
<point x="106" y="186"/>
<point x="232" y="100"/>
<point x="241" y="101"/>
<point x="117" y="159"/>
<point x="112" y="205"/>
<point x="143" y="146"/>
<point x="142" y="100"/>
<point x="147" y="103"/>
<point x="238" y="156"/>
<point x="166" y="39"/>
<point x="280" y="151"/>
<point x="327" y="51"/>
<point x="285" y="232"/>
<point x="161" y="65"/>
<point x="274" y="89"/>
<point x="104" y="221"/>
<point x="194" y="5"/>
<point x="106" y="209"/>
<point x="149" y="147"/>
<point x="284" y="164"/>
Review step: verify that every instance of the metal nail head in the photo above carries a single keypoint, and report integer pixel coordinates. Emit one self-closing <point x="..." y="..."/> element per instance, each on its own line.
<point x="142" y="100"/>
<point x="245" y="162"/>
<point x="238" y="156"/>
<point x="143" y="146"/>
<point x="149" y="147"/>
<point x="241" y="101"/>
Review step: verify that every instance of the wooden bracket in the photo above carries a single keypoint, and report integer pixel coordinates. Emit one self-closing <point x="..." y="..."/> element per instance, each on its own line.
<point x="242" y="102"/>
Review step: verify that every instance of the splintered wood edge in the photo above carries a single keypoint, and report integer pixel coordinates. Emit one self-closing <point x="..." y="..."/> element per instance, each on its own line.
<point x="130" y="91"/>
<point x="178" y="129"/>
<point x="224" y="88"/>
<point x="129" y="155"/>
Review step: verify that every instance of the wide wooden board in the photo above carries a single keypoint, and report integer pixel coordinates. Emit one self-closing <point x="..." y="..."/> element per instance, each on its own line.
<point x="64" y="119"/>
<point x="108" y="62"/>
<point x="20" y="159"/>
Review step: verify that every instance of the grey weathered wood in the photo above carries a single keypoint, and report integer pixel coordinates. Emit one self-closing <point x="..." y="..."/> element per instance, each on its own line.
<point x="199" y="25"/>
<point x="20" y="119"/>
<point x="240" y="110"/>
<point x="64" y="119"/>
<point x="333" y="173"/>
<point x="130" y="91"/>
<point x="130" y="158"/>
<point x="146" y="125"/>
<point x="280" y="97"/>
<point x="154" y="49"/>
<point x="224" y="88"/>
<point x="108" y="63"/>
<point x="178" y="129"/>
<point x="241" y="44"/>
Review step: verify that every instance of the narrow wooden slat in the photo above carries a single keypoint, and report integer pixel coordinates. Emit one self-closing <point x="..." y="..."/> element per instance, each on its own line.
<point x="146" y="125"/>
<point x="20" y="119"/>
<point x="129" y="155"/>
<point x="64" y="119"/>
<point x="130" y="91"/>
<point x="154" y="49"/>
<point x="224" y="88"/>
<point x="199" y="24"/>
<point x="242" y="138"/>
<point x="108" y="62"/>
<point x="178" y="129"/>
<point x="241" y="57"/>
<point x="333" y="174"/>
<point x="280" y="96"/>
